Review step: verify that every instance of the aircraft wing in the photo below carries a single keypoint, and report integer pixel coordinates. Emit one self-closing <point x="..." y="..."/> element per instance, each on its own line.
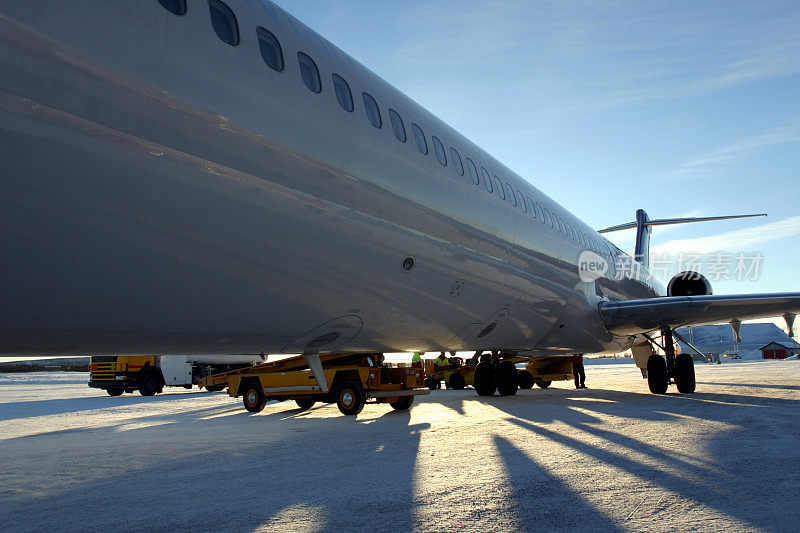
<point x="630" y="317"/>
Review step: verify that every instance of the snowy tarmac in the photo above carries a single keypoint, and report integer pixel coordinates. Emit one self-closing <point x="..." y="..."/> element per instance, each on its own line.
<point x="610" y="458"/>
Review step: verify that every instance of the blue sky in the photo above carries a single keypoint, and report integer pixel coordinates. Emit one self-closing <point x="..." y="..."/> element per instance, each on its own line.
<point x="680" y="108"/>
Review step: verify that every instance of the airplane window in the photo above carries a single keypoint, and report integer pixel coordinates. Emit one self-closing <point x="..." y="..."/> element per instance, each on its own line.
<point x="309" y="72"/>
<point x="473" y="172"/>
<point x="343" y="94"/>
<point x="397" y="126"/>
<point x="437" y="146"/>
<point x="521" y="201"/>
<point x="531" y="205"/>
<point x="487" y="180"/>
<point x="540" y="212"/>
<point x="560" y="224"/>
<point x="224" y="22"/>
<point x="373" y="113"/>
<point x="176" y="6"/>
<point x="419" y="137"/>
<point x="547" y="217"/>
<point x="457" y="161"/>
<point x="511" y="194"/>
<point x="500" y="191"/>
<point x="270" y="49"/>
<point x="571" y="231"/>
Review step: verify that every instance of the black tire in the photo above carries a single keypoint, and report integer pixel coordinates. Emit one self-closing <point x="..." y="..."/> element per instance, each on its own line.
<point x="657" y="374"/>
<point x="115" y="392"/>
<point x="432" y="383"/>
<point x="485" y="383"/>
<point x="305" y="403"/>
<point x="507" y="379"/>
<point x="148" y="384"/>
<point x="525" y="379"/>
<point x="684" y="373"/>
<point x="214" y="388"/>
<point x="403" y="404"/>
<point x="350" y="398"/>
<point x="253" y="397"/>
<point x="543" y="384"/>
<point x="456" y="381"/>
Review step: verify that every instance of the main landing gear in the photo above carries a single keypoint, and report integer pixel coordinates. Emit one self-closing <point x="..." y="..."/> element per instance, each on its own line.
<point x="671" y="368"/>
<point x="492" y="373"/>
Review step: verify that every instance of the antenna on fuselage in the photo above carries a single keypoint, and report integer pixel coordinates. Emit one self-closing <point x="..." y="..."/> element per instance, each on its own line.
<point x="644" y="226"/>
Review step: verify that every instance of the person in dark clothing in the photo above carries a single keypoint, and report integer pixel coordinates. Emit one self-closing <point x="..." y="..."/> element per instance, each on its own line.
<point x="577" y="371"/>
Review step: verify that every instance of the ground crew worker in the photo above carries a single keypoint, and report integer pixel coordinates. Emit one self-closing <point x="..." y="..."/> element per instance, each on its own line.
<point x="441" y="362"/>
<point x="416" y="360"/>
<point x="577" y="371"/>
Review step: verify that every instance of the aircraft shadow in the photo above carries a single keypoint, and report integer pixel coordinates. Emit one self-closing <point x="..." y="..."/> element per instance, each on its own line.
<point x="283" y="469"/>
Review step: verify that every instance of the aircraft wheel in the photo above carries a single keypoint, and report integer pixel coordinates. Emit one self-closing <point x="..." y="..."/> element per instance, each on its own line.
<point x="684" y="373"/>
<point x="485" y="384"/>
<point x="507" y="379"/>
<point x="115" y="392"/>
<point x="148" y="384"/>
<point x="305" y="403"/>
<point x="657" y="374"/>
<point x="456" y="382"/>
<point x="403" y="404"/>
<point x="350" y="398"/>
<point x="525" y="379"/>
<point x="253" y="397"/>
<point x="544" y="383"/>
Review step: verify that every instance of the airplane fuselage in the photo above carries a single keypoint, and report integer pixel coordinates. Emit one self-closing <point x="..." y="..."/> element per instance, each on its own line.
<point x="166" y="192"/>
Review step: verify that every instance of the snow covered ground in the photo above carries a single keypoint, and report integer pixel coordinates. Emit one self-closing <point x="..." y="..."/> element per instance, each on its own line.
<point x="612" y="458"/>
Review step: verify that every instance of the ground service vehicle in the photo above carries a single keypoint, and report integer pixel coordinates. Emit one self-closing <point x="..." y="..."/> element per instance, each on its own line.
<point x="544" y="371"/>
<point x="498" y="372"/>
<point x="456" y="376"/>
<point x="349" y="380"/>
<point x="149" y="374"/>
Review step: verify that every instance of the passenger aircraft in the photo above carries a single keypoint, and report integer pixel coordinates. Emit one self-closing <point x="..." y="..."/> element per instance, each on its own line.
<point x="200" y="176"/>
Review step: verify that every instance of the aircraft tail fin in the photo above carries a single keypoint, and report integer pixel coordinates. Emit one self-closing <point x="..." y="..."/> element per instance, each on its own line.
<point x="644" y="225"/>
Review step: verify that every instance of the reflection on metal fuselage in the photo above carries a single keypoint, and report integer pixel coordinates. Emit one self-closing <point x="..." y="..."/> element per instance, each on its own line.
<point x="164" y="192"/>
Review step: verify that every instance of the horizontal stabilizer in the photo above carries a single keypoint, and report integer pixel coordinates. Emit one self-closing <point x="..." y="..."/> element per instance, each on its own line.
<point x="669" y="221"/>
<point x="640" y="316"/>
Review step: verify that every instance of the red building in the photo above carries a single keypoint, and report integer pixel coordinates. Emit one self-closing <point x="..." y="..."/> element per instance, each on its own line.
<point x="774" y="350"/>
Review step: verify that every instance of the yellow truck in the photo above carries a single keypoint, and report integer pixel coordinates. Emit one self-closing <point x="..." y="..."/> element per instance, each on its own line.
<point x="348" y="380"/>
<point x="541" y="371"/>
<point x="149" y="374"/>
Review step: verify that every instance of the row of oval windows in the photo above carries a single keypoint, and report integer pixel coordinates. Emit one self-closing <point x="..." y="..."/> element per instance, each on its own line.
<point x="226" y="27"/>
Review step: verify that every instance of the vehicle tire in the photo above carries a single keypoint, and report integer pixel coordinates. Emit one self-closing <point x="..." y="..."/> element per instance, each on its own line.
<point x="148" y="384"/>
<point x="115" y="392"/>
<point x="684" y="373"/>
<point x="456" y="381"/>
<point x="507" y="378"/>
<point x="543" y="384"/>
<point x="253" y="397"/>
<point x="657" y="374"/>
<point x="432" y="383"/>
<point x="350" y="398"/>
<point x="305" y="403"/>
<point x="403" y="404"/>
<point x="214" y="388"/>
<point x="525" y="379"/>
<point x="485" y="383"/>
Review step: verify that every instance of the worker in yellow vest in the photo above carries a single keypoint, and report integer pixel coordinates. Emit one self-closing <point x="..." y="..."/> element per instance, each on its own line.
<point x="441" y="362"/>
<point x="416" y="360"/>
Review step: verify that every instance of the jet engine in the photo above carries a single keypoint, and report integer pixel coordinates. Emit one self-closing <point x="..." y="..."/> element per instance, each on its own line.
<point x="688" y="284"/>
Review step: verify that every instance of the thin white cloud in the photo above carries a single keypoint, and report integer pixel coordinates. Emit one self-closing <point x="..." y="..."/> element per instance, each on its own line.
<point x="741" y="240"/>
<point x="709" y="164"/>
